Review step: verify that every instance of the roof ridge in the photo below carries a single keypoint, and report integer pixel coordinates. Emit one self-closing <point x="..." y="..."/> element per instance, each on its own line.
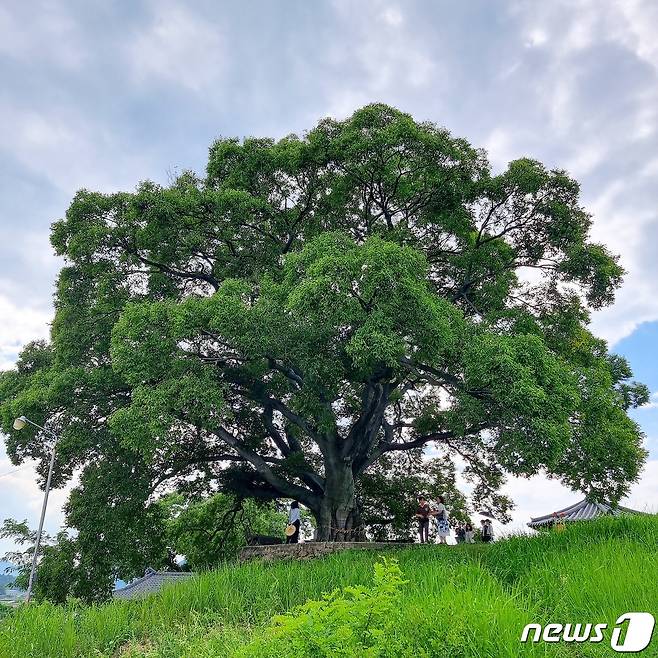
<point x="582" y="510"/>
<point x="149" y="573"/>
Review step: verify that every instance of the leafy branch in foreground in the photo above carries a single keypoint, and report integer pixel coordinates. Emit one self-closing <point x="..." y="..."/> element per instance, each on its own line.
<point x="352" y="621"/>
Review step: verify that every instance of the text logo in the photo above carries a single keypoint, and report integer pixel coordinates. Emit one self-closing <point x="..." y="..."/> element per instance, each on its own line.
<point x="638" y="632"/>
<point x="632" y="632"/>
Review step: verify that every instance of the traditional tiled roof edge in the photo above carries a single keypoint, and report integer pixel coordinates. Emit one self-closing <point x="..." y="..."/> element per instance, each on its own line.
<point x="583" y="510"/>
<point x="150" y="583"/>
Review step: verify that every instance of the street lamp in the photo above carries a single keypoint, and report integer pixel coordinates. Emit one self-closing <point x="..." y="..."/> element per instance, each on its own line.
<point x="19" y="424"/>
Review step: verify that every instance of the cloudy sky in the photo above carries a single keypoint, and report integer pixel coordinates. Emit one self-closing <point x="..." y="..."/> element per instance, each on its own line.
<point x="102" y="95"/>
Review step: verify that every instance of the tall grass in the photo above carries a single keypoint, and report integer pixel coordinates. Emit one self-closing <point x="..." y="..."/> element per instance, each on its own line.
<point x="459" y="601"/>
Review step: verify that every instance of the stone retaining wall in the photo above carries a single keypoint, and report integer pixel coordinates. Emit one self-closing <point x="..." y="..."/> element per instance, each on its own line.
<point x="311" y="549"/>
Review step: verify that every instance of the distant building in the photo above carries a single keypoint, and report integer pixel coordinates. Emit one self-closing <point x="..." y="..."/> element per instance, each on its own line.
<point x="151" y="582"/>
<point x="585" y="510"/>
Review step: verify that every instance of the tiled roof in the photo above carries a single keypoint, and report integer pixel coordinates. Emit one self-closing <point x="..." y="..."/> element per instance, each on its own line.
<point x="583" y="510"/>
<point x="150" y="583"/>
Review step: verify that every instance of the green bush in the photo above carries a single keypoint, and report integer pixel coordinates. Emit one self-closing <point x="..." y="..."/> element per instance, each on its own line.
<point x="352" y="621"/>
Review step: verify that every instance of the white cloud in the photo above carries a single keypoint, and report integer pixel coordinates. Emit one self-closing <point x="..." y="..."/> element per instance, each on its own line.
<point x="20" y="324"/>
<point x="387" y="62"/>
<point x="644" y="495"/>
<point x="500" y="148"/>
<point x="626" y="231"/>
<point x="585" y="159"/>
<point x="21" y="498"/>
<point x="49" y="31"/>
<point x="179" y="47"/>
<point x="638" y="30"/>
<point x="68" y="148"/>
<point x="392" y="16"/>
<point x="653" y="402"/>
<point x="536" y="37"/>
<point x="540" y="495"/>
<point x="601" y="127"/>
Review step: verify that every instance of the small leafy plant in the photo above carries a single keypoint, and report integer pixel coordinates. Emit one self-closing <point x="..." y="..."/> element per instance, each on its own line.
<point x="352" y="621"/>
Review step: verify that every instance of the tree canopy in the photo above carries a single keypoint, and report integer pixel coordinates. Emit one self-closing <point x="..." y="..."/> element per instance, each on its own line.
<point x="312" y="305"/>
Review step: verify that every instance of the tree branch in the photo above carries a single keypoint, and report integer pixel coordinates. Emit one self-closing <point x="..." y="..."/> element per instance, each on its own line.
<point x="259" y="463"/>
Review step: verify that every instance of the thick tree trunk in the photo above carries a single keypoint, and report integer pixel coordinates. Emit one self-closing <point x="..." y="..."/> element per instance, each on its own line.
<point x="336" y="515"/>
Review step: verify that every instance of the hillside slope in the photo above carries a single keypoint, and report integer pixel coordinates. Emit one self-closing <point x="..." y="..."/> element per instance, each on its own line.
<point x="470" y="601"/>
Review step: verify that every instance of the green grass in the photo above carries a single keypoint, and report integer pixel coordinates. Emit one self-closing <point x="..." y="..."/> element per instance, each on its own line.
<point x="463" y="601"/>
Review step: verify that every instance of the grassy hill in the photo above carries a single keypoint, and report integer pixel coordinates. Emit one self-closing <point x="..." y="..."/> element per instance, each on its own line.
<point x="457" y="601"/>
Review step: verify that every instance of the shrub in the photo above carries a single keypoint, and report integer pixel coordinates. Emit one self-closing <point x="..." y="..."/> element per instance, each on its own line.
<point x="352" y="621"/>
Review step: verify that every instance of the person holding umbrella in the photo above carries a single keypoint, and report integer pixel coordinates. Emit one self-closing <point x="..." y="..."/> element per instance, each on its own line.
<point x="486" y="531"/>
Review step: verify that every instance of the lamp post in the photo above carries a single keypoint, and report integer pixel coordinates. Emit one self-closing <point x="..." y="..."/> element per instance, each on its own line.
<point x="19" y="424"/>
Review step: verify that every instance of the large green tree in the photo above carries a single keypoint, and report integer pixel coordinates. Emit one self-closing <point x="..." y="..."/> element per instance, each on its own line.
<point x="313" y="304"/>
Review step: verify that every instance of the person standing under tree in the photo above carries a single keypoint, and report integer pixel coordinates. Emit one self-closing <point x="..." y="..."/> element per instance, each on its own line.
<point x="423" y="516"/>
<point x="440" y="513"/>
<point x="486" y="530"/>
<point x="491" y="530"/>
<point x="294" y="520"/>
<point x="469" y="534"/>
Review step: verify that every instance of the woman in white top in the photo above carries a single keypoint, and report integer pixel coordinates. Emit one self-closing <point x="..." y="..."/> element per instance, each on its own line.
<point x="440" y="514"/>
<point x="295" y="520"/>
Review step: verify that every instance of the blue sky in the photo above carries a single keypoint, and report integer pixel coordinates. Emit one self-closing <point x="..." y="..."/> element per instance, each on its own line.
<point x="102" y="95"/>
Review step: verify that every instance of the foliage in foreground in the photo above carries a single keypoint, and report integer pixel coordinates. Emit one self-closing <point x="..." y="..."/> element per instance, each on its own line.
<point x="353" y="621"/>
<point x="465" y="602"/>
